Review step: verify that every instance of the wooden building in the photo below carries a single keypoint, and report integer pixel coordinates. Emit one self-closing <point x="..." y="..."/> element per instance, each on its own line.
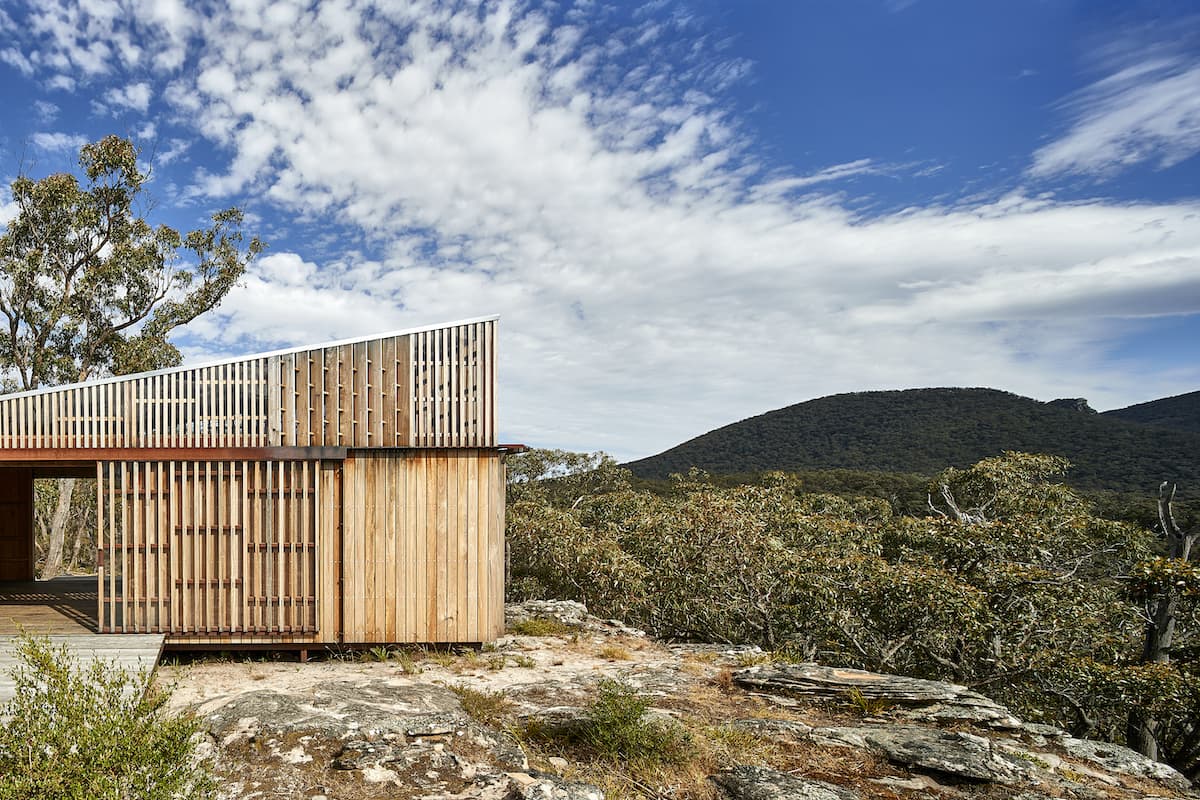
<point x="345" y="493"/>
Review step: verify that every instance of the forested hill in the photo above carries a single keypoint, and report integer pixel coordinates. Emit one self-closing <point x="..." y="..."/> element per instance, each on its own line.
<point x="1181" y="412"/>
<point x="925" y="430"/>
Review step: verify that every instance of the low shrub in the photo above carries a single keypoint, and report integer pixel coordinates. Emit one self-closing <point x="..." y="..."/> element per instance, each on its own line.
<point x="76" y="732"/>
<point x="619" y="729"/>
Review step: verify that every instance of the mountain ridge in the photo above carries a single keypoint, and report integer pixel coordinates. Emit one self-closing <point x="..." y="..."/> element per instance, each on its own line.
<point x="1178" y="412"/>
<point x="926" y="430"/>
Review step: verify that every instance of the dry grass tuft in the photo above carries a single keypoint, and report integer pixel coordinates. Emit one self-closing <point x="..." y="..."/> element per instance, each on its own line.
<point x="614" y="652"/>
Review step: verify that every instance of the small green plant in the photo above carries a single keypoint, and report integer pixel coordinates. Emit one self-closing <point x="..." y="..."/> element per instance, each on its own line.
<point x="405" y="661"/>
<point x="442" y="657"/>
<point x="618" y="727"/>
<point x="487" y="707"/>
<point x="380" y="653"/>
<point x="76" y="732"/>
<point x="524" y="661"/>
<point x="542" y="626"/>
<point x="867" y="706"/>
<point x="496" y="663"/>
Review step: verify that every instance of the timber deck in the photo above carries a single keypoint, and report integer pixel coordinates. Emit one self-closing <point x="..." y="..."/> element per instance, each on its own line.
<point x="132" y="651"/>
<point x="64" y="610"/>
<point x="61" y="606"/>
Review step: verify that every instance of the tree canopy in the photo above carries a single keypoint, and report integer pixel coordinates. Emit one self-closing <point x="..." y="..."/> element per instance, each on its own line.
<point x="89" y="286"/>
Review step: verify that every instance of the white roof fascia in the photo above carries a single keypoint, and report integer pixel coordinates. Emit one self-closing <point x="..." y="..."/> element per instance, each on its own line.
<point x="250" y="357"/>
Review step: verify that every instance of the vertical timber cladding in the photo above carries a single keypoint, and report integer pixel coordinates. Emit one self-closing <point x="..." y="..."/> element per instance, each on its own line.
<point x="423" y="546"/>
<point x="210" y="548"/>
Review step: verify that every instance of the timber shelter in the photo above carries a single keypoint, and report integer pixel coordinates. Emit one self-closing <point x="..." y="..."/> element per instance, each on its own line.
<point x="348" y="493"/>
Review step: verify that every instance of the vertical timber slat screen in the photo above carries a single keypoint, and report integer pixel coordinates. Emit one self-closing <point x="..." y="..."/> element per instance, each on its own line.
<point x="225" y="547"/>
<point x="430" y="388"/>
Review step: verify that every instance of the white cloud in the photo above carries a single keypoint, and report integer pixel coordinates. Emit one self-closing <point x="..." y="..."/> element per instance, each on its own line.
<point x="57" y="141"/>
<point x="46" y="111"/>
<point x="1147" y="111"/>
<point x="61" y="82"/>
<point x="653" y="282"/>
<point x="134" y="97"/>
<point x="8" y="212"/>
<point x="18" y="60"/>
<point x="175" y="148"/>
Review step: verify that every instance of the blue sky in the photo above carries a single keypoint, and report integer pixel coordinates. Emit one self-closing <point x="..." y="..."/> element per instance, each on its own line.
<point x="686" y="212"/>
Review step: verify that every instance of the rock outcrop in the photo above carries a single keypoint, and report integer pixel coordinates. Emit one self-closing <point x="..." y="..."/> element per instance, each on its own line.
<point x="505" y="725"/>
<point x="763" y="783"/>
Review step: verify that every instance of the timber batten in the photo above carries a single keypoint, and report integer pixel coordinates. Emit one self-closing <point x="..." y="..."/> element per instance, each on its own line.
<point x="343" y="493"/>
<point x="426" y="388"/>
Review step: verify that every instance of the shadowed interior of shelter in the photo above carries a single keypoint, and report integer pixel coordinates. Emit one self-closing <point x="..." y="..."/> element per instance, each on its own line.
<point x="62" y="605"/>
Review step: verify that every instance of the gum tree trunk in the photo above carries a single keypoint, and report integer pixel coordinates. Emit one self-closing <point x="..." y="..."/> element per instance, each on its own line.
<point x="58" y="529"/>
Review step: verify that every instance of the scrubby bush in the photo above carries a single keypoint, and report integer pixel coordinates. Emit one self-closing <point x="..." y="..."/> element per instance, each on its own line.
<point x="76" y="732"/>
<point x="1011" y="582"/>
<point x="618" y="727"/>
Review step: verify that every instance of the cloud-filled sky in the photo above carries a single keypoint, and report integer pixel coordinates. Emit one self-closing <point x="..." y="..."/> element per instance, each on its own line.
<point x="686" y="212"/>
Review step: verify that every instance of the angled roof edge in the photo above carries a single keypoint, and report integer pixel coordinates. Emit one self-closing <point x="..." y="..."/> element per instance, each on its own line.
<point x="249" y="356"/>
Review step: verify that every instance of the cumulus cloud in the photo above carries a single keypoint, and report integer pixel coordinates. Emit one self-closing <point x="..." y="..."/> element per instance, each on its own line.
<point x="654" y="280"/>
<point x="134" y="97"/>
<point x="58" y="142"/>
<point x="90" y="39"/>
<point x="1148" y="111"/>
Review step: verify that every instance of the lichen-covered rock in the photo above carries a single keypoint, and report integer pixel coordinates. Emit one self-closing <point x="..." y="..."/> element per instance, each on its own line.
<point x="1116" y="758"/>
<point x="551" y="787"/>
<point x="341" y="709"/>
<point x="762" y="783"/>
<point x="957" y="753"/>
<point x="558" y="722"/>
<point x="356" y="730"/>
<point x="926" y="701"/>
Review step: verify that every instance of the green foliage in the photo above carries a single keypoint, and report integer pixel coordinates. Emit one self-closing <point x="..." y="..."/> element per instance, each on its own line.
<point x="922" y="431"/>
<point x="867" y="706"/>
<point x="1016" y="585"/>
<point x="90" y="286"/>
<point x="618" y="728"/>
<point x="1160" y="574"/>
<point x="76" y="733"/>
<point x="1181" y="412"/>
<point x="561" y="476"/>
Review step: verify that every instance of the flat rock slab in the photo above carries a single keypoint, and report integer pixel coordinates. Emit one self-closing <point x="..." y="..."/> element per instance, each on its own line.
<point x="131" y="651"/>
<point x="763" y="783"/>
<point x="341" y="710"/>
<point x="1115" y="758"/>
<point x="956" y="753"/>
<point x="937" y="701"/>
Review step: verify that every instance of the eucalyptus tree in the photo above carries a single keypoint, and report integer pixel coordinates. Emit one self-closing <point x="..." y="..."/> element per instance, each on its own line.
<point x="90" y="287"/>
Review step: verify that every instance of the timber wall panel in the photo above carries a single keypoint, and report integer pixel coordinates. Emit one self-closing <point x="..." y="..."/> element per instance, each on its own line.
<point x="433" y="388"/>
<point x="208" y="548"/>
<point x="423" y="543"/>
